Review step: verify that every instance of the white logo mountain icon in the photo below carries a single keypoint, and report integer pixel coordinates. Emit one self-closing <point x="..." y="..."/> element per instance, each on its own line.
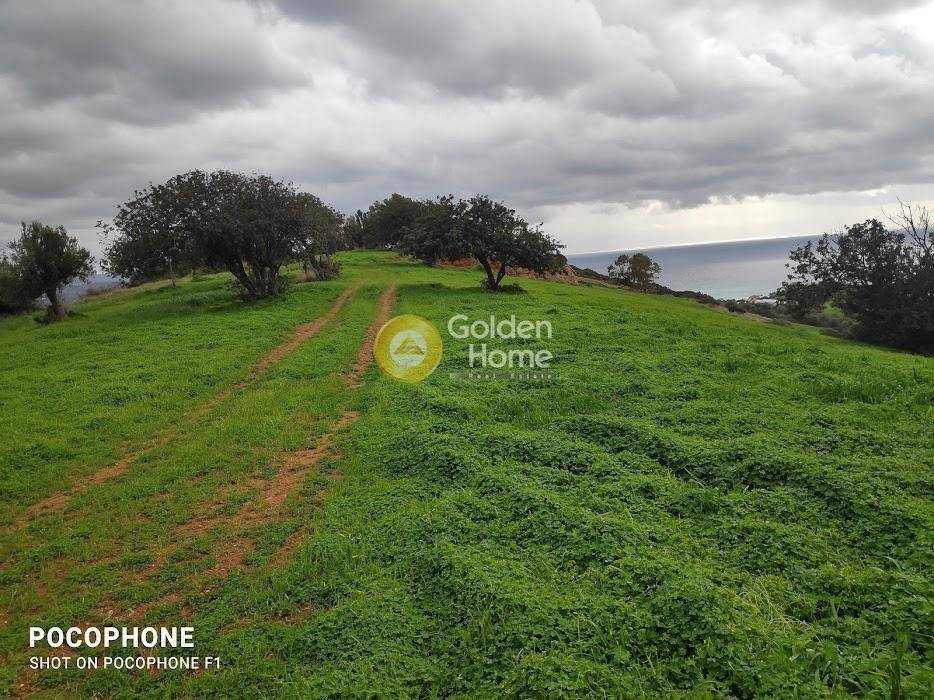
<point x="408" y="348"/>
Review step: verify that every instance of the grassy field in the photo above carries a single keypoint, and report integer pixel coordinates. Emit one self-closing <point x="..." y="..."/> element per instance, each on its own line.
<point x="698" y="504"/>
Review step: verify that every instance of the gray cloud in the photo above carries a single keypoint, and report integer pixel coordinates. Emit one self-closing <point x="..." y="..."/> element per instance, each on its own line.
<point x="142" y="61"/>
<point x="544" y="104"/>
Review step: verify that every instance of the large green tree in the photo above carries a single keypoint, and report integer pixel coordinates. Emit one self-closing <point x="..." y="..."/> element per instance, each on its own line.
<point x="355" y="230"/>
<point x="486" y="230"/>
<point x="147" y="238"/>
<point x="250" y="225"/>
<point x="45" y="259"/>
<point x="384" y="224"/>
<point x="437" y="232"/>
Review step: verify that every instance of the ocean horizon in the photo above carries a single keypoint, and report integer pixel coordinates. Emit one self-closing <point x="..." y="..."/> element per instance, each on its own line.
<point x="726" y="270"/>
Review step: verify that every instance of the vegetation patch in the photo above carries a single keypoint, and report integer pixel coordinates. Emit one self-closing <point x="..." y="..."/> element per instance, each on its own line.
<point x="698" y="504"/>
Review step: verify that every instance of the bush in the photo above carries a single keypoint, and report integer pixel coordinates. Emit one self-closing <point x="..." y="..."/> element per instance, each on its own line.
<point x="883" y="280"/>
<point x="11" y="298"/>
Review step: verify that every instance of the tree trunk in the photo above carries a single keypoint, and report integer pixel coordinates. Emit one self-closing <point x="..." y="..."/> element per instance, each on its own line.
<point x="500" y="274"/>
<point x="56" y="308"/>
<point x="172" y="274"/>
<point x="491" y="281"/>
<point x="244" y="279"/>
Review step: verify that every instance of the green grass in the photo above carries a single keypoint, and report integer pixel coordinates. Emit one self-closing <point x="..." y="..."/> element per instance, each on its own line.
<point x="699" y="504"/>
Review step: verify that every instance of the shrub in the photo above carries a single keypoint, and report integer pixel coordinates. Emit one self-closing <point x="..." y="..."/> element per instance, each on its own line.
<point x="883" y="280"/>
<point x="12" y="300"/>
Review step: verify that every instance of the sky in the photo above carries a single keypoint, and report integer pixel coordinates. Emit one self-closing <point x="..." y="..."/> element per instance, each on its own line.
<point x="616" y="124"/>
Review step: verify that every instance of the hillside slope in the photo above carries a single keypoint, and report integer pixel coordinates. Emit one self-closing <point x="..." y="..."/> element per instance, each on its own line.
<point x="697" y="502"/>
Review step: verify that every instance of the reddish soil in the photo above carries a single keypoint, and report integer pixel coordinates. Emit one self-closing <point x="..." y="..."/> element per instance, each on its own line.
<point x="354" y="378"/>
<point x="303" y="332"/>
<point x="230" y="553"/>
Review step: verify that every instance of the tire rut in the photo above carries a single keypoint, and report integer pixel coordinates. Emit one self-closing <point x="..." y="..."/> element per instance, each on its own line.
<point x="302" y="333"/>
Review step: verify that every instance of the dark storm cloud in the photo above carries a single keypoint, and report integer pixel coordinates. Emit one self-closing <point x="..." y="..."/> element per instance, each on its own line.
<point x="137" y="61"/>
<point x="543" y="104"/>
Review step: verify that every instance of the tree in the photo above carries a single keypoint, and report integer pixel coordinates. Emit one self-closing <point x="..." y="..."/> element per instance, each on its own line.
<point x="882" y="279"/>
<point x="147" y="238"/>
<point x="384" y="224"/>
<point x="389" y="220"/>
<point x="46" y="258"/>
<point x="438" y="232"/>
<point x="248" y="224"/>
<point x="483" y="229"/>
<point x="355" y="230"/>
<point x="915" y="222"/>
<point x="322" y="238"/>
<point x="637" y="270"/>
<point x="499" y="239"/>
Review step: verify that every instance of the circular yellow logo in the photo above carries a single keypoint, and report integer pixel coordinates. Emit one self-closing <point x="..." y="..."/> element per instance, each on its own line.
<point x="408" y="348"/>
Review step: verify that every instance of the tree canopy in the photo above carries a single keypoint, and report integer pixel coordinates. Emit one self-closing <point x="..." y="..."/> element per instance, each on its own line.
<point x="637" y="270"/>
<point x="45" y="259"/>
<point x="488" y="231"/>
<point x="250" y="225"/>
<point x="384" y="224"/>
<point x="147" y="238"/>
<point x="438" y="231"/>
<point x="11" y="295"/>
<point x="323" y="237"/>
<point x="882" y="279"/>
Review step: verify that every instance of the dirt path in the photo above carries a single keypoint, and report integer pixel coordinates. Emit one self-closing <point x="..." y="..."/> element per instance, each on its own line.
<point x="230" y="552"/>
<point x="303" y="332"/>
<point x="387" y="299"/>
<point x="268" y="504"/>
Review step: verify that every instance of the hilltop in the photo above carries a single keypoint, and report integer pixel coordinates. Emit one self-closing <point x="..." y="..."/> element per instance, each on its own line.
<point x="696" y="502"/>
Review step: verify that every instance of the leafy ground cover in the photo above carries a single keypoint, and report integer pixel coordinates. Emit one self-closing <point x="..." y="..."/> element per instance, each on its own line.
<point x="698" y="504"/>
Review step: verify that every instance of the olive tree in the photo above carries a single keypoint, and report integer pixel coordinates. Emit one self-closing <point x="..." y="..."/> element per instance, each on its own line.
<point x="45" y="259"/>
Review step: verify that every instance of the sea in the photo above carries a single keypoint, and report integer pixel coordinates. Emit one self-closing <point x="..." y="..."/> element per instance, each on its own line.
<point x="730" y="270"/>
<point x="98" y="282"/>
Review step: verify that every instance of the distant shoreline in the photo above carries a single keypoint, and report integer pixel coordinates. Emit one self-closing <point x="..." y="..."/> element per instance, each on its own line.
<point x="667" y="246"/>
<point x="736" y="269"/>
